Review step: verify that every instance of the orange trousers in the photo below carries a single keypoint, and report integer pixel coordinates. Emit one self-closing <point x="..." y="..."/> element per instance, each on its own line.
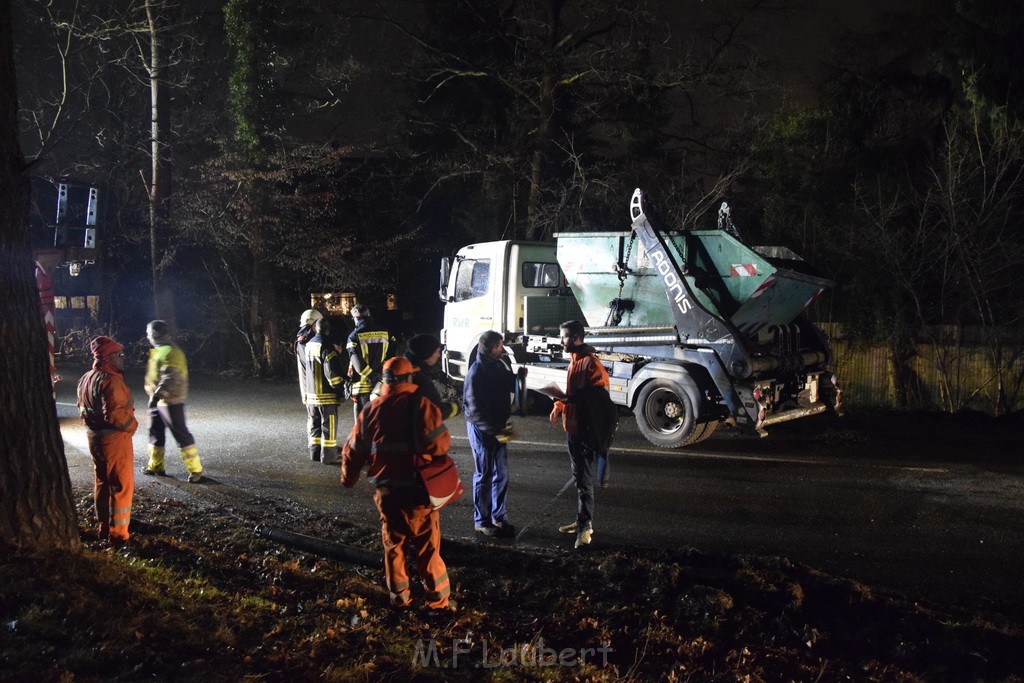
<point x="408" y="523"/>
<point x="114" y="463"/>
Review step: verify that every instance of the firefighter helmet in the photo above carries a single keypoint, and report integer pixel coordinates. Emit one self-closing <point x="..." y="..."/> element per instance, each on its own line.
<point x="310" y="316"/>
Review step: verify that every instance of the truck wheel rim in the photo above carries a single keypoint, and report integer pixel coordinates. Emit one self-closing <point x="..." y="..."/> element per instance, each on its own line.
<point x="663" y="411"/>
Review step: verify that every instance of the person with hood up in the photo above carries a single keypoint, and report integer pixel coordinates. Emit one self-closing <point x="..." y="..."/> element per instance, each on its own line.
<point x="167" y="385"/>
<point x="584" y="371"/>
<point x="105" y="403"/>
<point x="485" y="399"/>
<point x="423" y="351"/>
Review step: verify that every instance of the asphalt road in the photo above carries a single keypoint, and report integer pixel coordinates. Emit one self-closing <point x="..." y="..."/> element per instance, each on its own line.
<point x="945" y="531"/>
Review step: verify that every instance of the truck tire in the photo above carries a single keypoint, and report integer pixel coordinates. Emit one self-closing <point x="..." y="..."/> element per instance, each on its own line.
<point x="667" y="417"/>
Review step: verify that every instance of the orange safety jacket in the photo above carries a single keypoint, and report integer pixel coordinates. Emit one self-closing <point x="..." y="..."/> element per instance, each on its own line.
<point x="389" y="433"/>
<point x="585" y="370"/>
<point x="105" y="402"/>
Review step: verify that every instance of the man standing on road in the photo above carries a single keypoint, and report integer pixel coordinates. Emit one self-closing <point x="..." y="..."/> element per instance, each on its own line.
<point x="105" y="403"/>
<point x="388" y="436"/>
<point x="489" y="382"/>
<point x="167" y="385"/>
<point x="307" y="330"/>
<point x="305" y="333"/>
<point x="325" y="379"/>
<point x="424" y="350"/>
<point x="585" y="370"/>
<point x="368" y="346"/>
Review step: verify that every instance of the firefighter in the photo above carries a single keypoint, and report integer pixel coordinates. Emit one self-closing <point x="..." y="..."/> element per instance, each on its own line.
<point x="105" y="403"/>
<point x="585" y="370"/>
<point x="325" y="378"/>
<point x="167" y="385"/>
<point x="388" y="436"/>
<point x="305" y="333"/>
<point x="369" y="345"/>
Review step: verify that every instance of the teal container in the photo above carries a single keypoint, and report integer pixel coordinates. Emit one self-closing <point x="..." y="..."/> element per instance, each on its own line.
<point x="752" y="287"/>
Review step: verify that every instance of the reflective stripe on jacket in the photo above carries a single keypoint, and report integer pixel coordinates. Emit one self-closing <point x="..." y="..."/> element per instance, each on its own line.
<point x="585" y="370"/>
<point x="105" y="401"/>
<point x="387" y="440"/>
<point x="325" y="373"/>
<point x="368" y="347"/>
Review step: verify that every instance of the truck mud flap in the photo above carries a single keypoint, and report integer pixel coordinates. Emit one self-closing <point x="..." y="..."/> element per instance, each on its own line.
<point x="793" y="414"/>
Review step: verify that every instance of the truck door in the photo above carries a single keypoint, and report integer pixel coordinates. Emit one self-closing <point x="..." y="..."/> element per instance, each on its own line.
<point x="532" y="271"/>
<point x="469" y="311"/>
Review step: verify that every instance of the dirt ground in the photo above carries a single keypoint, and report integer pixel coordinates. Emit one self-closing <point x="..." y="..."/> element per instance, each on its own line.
<point x="197" y="595"/>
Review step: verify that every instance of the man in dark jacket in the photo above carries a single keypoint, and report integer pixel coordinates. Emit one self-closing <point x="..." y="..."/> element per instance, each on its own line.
<point x="486" y="402"/>
<point x="423" y="351"/>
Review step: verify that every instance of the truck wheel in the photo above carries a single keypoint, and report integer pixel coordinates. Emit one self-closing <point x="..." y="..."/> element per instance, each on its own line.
<point x="666" y="416"/>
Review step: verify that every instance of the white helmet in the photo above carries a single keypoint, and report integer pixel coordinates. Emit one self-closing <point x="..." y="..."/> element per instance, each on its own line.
<point x="310" y="316"/>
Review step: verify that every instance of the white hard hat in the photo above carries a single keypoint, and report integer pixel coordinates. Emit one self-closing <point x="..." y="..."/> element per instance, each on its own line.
<point x="310" y="316"/>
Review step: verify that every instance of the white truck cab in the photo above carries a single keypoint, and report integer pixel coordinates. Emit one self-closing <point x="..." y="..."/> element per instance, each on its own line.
<point x="489" y="286"/>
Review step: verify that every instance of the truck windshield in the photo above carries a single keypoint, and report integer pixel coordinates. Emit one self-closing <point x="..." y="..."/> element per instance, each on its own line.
<point x="540" y="275"/>
<point x="472" y="278"/>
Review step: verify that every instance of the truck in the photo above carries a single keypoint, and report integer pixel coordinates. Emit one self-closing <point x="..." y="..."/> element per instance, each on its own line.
<point x="695" y="328"/>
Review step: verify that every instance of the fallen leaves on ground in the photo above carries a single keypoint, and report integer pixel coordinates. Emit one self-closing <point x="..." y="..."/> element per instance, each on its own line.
<point x="197" y="595"/>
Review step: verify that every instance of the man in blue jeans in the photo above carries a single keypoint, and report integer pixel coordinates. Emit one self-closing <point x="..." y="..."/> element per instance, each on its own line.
<point x="487" y="406"/>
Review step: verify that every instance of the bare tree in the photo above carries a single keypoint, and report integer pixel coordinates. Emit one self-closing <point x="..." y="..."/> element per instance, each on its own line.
<point x="94" y="61"/>
<point x="951" y="243"/>
<point x="976" y="201"/>
<point x="37" y="510"/>
<point x="533" y="117"/>
<point x="159" y="187"/>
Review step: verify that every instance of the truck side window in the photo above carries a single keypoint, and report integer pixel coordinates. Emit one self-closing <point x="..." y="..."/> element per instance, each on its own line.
<point x="541" y="275"/>
<point x="472" y="279"/>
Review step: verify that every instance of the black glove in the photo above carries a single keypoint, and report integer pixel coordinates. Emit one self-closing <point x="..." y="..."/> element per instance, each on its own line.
<point x="153" y="401"/>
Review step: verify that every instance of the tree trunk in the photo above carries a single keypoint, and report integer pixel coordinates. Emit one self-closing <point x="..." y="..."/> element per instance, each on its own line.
<point x="37" y="511"/>
<point x="160" y="181"/>
<point x="545" y="125"/>
<point x="256" y="307"/>
<point x="539" y="159"/>
<point x="904" y="379"/>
